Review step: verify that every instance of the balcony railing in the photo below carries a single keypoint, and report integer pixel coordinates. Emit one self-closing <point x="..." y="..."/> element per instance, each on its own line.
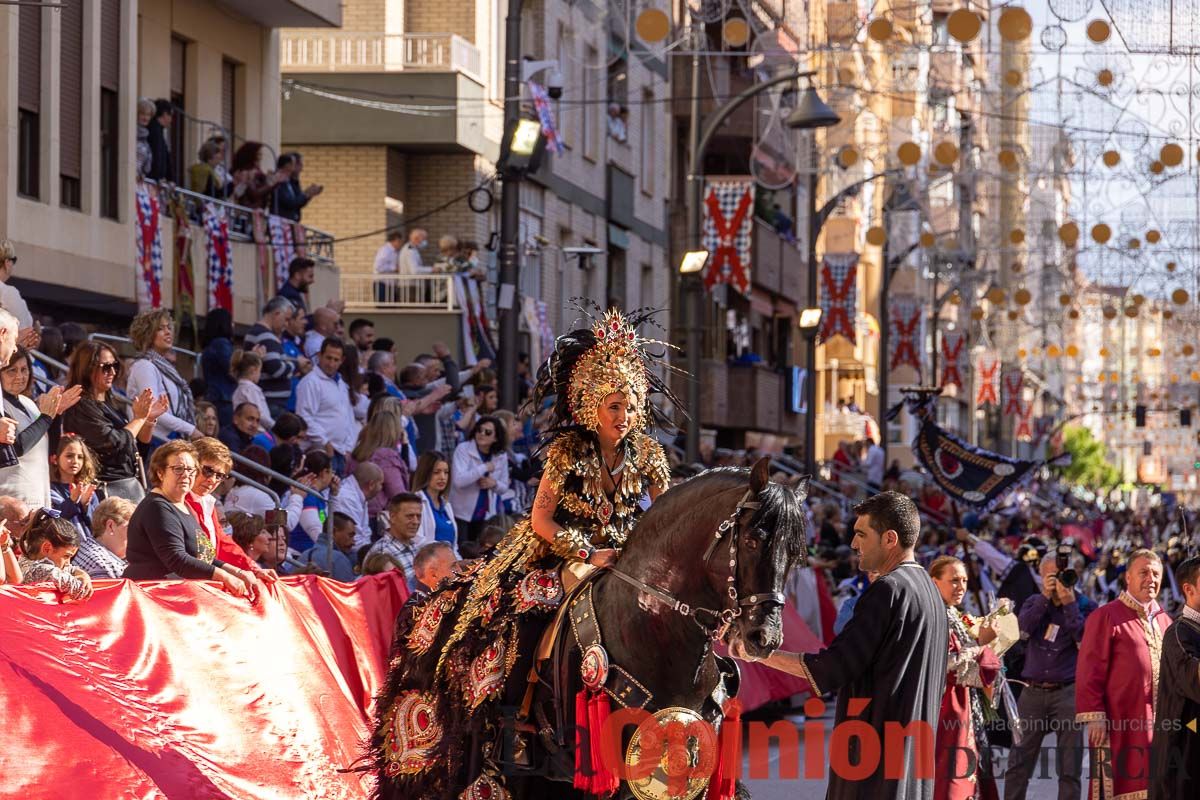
<point x="241" y="223"/>
<point x="340" y="51"/>
<point x="420" y="293"/>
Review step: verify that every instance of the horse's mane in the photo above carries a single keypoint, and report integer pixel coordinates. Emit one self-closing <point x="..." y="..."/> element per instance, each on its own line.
<point x="781" y="512"/>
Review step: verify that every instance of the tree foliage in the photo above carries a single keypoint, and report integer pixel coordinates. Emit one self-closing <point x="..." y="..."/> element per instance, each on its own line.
<point x="1091" y="465"/>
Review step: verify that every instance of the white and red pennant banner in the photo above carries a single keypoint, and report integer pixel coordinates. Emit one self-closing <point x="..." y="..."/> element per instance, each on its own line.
<point x="839" y="295"/>
<point x="954" y="349"/>
<point x="987" y="375"/>
<point x="728" y="232"/>
<point x="904" y="320"/>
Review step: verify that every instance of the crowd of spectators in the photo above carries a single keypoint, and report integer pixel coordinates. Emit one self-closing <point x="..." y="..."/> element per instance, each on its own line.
<point x="240" y="179"/>
<point x="348" y="462"/>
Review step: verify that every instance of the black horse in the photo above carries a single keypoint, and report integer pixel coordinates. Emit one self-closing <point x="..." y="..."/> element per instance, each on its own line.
<point x="658" y="620"/>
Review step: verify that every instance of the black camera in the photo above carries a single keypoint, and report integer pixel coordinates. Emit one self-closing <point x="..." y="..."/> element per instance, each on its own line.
<point x="1062" y="560"/>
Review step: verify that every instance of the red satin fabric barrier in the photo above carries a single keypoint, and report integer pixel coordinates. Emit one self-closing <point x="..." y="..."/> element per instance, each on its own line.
<point x="174" y="689"/>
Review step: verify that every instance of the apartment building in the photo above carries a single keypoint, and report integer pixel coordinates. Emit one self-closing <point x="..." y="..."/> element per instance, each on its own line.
<point x="68" y="108"/>
<point x="400" y="114"/>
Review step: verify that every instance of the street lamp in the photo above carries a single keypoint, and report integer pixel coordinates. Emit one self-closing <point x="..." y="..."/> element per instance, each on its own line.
<point x="810" y="321"/>
<point x="693" y="261"/>
<point x="812" y="113"/>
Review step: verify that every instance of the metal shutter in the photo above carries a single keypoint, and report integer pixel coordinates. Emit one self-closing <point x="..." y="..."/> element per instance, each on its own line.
<point x="29" y="63"/>
<point x="110" y="45"/>
<point x="71" y="97"/>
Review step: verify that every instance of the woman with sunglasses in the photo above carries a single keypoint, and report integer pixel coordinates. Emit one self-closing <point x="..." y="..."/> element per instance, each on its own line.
<point x="28" y="480"/>
<point x="216" y="464"/>
<point x="165" y="541"/>
<point x="479" y="476"/>
<point x="99" y="422"/>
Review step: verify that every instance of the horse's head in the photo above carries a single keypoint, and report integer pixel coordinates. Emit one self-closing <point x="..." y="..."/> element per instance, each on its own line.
<point x="767" y="543"/>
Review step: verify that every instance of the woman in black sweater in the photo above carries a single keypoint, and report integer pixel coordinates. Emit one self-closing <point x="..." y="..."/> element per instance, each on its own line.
<point x="164" y="539"/>
<point x="113" y="438"/>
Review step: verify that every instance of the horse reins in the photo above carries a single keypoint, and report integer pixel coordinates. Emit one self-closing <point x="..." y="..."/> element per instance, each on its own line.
<point x="727" y="615"/>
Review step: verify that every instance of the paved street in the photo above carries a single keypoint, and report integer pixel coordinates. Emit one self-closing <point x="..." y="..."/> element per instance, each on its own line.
<point x="775" y="788"/>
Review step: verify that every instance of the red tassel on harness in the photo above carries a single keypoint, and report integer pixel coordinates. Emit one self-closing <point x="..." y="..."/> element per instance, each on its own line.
<point x="604" y="781"/>
<point x="582" y="782"/>
<point x="591" y="773"/>
<point x="723" y="783"/>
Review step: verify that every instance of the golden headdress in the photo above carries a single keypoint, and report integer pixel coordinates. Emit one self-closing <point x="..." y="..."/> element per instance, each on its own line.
<point x="588" y="364"/>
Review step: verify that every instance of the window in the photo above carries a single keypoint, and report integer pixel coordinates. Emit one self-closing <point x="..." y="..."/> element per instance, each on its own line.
<point x="70" y="132"/>
<point x="496" y="62"/>
<point x="588" y="98"/>
<point x="615" y="279"/>
<point x="28" y="153"/>
<point x="566" y="64"/>
<point x="109" y="144"/>
<point x="110" y="115"/>
<point x="646" y="290"/>
<point x="179" y="100"/>
<point x="648" y="137"/>
<point x="229" y="74"/>
<point x="29" y="101"/>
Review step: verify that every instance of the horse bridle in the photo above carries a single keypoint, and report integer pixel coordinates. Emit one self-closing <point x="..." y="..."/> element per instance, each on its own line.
<point x="726" y="616"/>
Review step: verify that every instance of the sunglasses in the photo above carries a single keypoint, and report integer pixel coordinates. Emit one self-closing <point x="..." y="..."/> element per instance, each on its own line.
<point x="486" y="432"/>
<point x="110" y="366"/>
<point x="13" y="259"/>
<point x="209" y="472"/>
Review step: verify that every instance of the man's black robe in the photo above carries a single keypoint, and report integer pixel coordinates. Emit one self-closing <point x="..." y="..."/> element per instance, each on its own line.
<point x="1175" y="754"/>
<point x="892" y="653"/>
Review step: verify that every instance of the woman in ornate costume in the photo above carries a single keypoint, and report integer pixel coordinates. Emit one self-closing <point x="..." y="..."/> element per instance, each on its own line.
<point x="482" y="625"/>
<point x="963" y="771"/>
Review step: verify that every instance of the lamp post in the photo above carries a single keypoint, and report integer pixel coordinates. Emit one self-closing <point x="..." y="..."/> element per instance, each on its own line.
<point x="510" y="215"/>
<point x="811" y="113"/>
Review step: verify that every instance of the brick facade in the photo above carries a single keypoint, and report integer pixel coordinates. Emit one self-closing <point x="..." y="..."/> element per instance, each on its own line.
<point x="355" y="181"/>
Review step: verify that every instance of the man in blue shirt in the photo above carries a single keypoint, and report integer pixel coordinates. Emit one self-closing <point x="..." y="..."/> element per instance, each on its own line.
<point x="335" y="560"/>
<point x="1052" y="625"/>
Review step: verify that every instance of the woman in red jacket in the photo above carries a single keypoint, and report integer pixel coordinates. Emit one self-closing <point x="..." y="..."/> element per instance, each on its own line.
<point x="215" y="465"/>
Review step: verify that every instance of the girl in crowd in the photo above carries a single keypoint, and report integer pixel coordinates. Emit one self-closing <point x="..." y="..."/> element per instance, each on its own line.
<point x="247" y="369"/>
<point x="317" y="472"/>
<point x="432" y="483"/>
<point x="73" y="471"/>
<point x="47" y="549"/>
<point x="208" y="421"/>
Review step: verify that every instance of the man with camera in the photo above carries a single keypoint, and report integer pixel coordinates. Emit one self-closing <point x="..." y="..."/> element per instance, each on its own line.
<point x="1052" y="626"/>
<point x="1117" y="676"/>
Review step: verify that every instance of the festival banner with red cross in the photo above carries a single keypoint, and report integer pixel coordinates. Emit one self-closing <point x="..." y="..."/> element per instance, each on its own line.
<point x="1024" y="427"/>
<point x="987" y="376"/>
<point x="905" y="319"/>
<point x="728" y="232"/>
<point x="148" y="248"/>
<point x="954" y="350"/>
<point x="1014" y="379"/>
<point x="839" y="295"/>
